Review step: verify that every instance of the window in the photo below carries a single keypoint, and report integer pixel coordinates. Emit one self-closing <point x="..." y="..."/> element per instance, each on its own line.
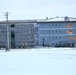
<point x="12" y="39"/>
<point x="49" y="31"/>
<point x="59" y="31"/>
<point x="70" y="38"/>
<point x="49" y="37"/>
<point x="69" y="32"/>
<point x="56" y="37"/>
<point x="52" y="30"/>
<point x="56" y="43"/>
<point x="52" y="24"/>
<point x="43" y="25"/>
<point x="52" y="43"/>
<point x="69" y="25"/>
<point x="52" y="37"/>
<point x="29" y="32"/>
<point x="74" y="37"/>
<point x="56" y="30"/>
<point x="56" y="25"/>
<point x="2" y="31"/>
<point x="12" y="34"/>
<point x="12" y="25"/>
<point x="59" y="37"/>
<point x="59" y="24"/>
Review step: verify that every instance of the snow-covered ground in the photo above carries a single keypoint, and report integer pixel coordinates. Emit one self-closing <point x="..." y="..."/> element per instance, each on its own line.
<point x="52" y="61"/>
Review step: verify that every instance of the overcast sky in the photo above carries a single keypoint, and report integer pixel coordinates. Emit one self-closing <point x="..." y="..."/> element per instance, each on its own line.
<point x="37" y="9"/>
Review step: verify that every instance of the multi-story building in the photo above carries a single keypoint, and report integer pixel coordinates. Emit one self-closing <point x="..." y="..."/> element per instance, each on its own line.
<point x="57" y="32"/>
<point x="22" y="34"/>
<point x="30" y="33"/>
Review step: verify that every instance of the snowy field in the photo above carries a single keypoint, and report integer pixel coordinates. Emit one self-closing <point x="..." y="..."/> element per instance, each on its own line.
<point x="52" y="61"/>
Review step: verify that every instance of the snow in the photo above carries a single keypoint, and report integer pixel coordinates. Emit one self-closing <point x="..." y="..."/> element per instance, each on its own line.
<point x="43" y="61"/>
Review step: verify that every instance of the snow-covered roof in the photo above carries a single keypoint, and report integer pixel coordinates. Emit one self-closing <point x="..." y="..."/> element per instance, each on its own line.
<point x="19" y="21"/>
<point x="57" y="19"/>
<point x="54" y="19"/>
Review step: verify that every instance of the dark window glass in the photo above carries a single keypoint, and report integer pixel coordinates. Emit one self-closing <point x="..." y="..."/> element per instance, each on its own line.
<point x="59" y="31"/>
<point x="13" y="25"/>
<point x="56" y="25"/>
<point x="52" y="24"/>
<point x="59" y="24"/>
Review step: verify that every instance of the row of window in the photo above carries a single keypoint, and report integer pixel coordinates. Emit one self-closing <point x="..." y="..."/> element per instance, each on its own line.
<point x="53" y="38"/>
<point x="24" y="43"/>
<point x="69" y="32"/>
<point x="53" y="31"/>
<point x="2" y="39"/>
<point x="24" y="28"/>
<point x="67" y="25"/>
<point x="27" y="38"/>
<point x="23" y="32"/>
<point x="58" y="31"/>
<point x="51" y="44"/>
<point x="30" y="26"/>
<point x="72" y="38"/>
<point x="59" y="44"/>
<point x="53" y="25"/>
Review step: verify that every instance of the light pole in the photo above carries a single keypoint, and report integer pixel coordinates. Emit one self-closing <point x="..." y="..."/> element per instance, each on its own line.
<point x="6" y="16"/>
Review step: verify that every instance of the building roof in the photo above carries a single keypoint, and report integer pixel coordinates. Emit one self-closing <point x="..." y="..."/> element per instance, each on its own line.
<point x="19" y="21"/>
<point x="58" y="19"/>
<point x="54" y="19"/>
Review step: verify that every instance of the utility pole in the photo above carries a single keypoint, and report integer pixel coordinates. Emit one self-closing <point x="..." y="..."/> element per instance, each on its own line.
<point x="6" y="16"/>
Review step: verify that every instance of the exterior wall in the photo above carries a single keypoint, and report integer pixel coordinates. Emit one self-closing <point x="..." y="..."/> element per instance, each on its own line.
<point x="57" y="33"/>
<point x="36" y="42"/>
<point x="30" y="34"/>
<point x="25" y="34"/>
<point x="3" y="35"/>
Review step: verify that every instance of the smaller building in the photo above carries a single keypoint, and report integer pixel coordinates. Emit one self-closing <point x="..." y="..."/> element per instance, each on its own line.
<point x="57" y="32"/>
<point x="22" y="33"/>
